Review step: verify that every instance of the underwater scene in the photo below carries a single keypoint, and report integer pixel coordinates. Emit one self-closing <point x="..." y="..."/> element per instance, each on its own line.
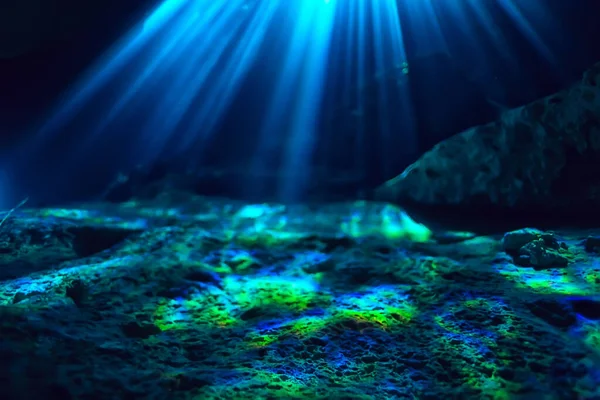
<point x="309" y="199"/>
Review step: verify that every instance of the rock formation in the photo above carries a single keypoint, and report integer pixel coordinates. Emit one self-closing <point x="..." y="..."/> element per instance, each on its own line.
<point x="186" y="297"/>
<point x="543" y="157"/>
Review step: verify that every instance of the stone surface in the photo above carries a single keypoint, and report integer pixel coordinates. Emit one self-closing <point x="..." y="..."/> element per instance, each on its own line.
<point x="194" y="297"/>
<point x="513" y="241"/>
<point x="533" y="248"/>
<point x="543" y="157"/>
<point x="592" y="243"/>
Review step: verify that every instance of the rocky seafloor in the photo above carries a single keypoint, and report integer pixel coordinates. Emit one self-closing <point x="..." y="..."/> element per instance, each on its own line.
<point x="204" y="298"/>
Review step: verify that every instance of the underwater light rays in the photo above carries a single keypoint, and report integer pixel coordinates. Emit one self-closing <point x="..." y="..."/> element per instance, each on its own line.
<point x="400" y="65"/>
<point x="196" y="53"/>
<point x="165" y="55"/>
<point x="391" y="18"/>
<point x="191" y="79"/>
<point x="393" y="102"/>
<point x="522" y="19"/>
<point x="280" y="99"/>
<point x="194" y="41"/>
<point x="382" y="65"/>
<point x="315" y="26"/>
<point x="110" y="64"/>
<point x="486" y="18"/>
<point x="223" y="89"/>
<point x="162" y="15"/>
<point x="182" y="35"/>
<point x="361" y="78"/>
<point x="428" y="23"/>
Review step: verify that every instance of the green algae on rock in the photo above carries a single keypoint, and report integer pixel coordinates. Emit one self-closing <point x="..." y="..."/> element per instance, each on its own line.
<point x="217" y="299"/>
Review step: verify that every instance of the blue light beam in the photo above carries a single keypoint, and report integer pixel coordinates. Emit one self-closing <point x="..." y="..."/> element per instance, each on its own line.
<point x="296" y="94"/>
<point x="394" y="105"/>
<point x="160" y="67"/>
<point x="170" y="80"/>
<point x="313" y="39"/>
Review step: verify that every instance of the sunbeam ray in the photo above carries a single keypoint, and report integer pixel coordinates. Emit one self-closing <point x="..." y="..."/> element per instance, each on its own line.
<point x="520" y="15"/>
<point x="314" y="34"/>
<point x="117" y="58"/>
<point x="167" y="85"/>
<point x="231" y="74"/>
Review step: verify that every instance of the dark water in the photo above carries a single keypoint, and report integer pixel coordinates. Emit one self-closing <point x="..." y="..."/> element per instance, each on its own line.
<point x="466" y="64"/>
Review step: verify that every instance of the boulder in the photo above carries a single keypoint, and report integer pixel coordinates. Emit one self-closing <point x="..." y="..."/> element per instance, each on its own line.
<point x="543" y="157"/>
<point x="533" y="248"/>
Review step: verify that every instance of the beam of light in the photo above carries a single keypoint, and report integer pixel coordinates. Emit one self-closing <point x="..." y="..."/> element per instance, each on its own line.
<point x="182" y="69"/>
<point x="523" y="13"/>
<point x="382" y="64"/>
<point x="297" y="93"/>
<point x="484" y="16"/>
<point x="313" y="41"/>
<point x="427" y="27"/>
<point x="229" y="78"/>
<point x="113" y="62"/>
<point x="391" y="61"/>
<point x="176" y="73"/>
<point x="161" y="67"/>
<point x="353" y="34"/>
<point x="361" y="79"/>
<point x="530" y="17"/>
<point x="190" y="79"/>
<point x="178" y="41"/>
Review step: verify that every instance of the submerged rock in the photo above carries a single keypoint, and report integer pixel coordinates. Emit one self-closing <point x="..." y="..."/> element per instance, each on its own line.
<point x="537" y="249"/>
<point x="208" y="298"/>
<point x="513" y="241"/>
<point x="542" y="157"/>
<point x="592" y="243"/>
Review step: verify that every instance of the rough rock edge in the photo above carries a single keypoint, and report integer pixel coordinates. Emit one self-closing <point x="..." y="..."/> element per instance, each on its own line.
<point x="515" y="161"/>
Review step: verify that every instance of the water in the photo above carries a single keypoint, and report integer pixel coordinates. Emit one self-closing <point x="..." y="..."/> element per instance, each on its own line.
<point x="194" y="215"/>
<point x="333" y="92"/>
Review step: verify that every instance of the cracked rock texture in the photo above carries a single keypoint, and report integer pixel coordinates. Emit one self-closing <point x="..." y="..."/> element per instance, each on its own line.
<point x="544" y="156"/>
<point x="204" y="298"/>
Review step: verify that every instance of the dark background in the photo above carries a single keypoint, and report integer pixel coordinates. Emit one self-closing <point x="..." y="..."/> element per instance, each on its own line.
<point x="64" y="37"/>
